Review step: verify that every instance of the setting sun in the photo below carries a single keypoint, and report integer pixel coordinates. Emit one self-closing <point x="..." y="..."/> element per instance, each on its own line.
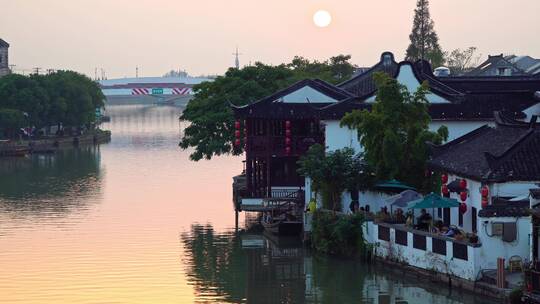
<point x="322" y="18"/>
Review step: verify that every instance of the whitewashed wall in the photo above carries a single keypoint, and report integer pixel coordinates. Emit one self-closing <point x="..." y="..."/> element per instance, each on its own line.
<point x="424" y="259"/>
<point x="494" y="247"/>
<point x="457" y="128"/>
<point x="307" y="94"/>
<point x="337" y="137"/>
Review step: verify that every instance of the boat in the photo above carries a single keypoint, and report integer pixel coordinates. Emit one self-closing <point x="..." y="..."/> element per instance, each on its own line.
<point x="283" y="227"/>
<point x="282" y="217"/>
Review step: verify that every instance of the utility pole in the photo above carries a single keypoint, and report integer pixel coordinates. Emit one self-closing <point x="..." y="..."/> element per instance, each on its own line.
<point x="236" y="59"/>
<point x="36" y="70"/>
<point x="95" y="74"/>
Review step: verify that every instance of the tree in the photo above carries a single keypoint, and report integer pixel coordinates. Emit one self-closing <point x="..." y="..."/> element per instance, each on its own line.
<point x="394" y="134"/>
<point x="461" y="61"/>
<point x="424" y="40"/>
<point x="211" y="122"/>
<point x="10" y="122"/>
<point x="334" y="172"/>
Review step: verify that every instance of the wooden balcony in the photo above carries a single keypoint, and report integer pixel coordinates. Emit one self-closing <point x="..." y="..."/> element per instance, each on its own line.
<point x="275" y="145"/>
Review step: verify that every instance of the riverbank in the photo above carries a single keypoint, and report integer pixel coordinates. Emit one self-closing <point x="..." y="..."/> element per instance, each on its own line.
<point x="51" y="144"/>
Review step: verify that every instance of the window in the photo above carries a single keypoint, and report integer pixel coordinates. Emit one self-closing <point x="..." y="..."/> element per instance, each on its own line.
<point x="438" y="246"/>
<point x="419" y="241"/>
<point x="460" y="251"/>
<point x="401" y="237"/>
<point x="384" y="233"/>
<point x="474" y="220"/>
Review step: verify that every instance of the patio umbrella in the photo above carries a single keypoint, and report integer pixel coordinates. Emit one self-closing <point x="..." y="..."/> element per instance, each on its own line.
<point x="432" y="201"/>
<point x="402" y="199"/>
<point x="393" y="185"/>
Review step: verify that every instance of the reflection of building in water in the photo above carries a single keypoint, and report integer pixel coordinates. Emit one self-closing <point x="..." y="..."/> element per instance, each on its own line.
<point x="276" y="272"/>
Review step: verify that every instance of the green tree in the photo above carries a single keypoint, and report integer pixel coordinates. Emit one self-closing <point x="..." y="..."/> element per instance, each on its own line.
<point x="424" y="40"/>
<point x="334" y="172"/>
<point x="11" y="121"/>
<point x="395" y="132"/>
<point x="211" y="123"/>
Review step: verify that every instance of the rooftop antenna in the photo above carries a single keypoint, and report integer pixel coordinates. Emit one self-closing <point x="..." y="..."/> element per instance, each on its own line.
<point x="236" y="59"/>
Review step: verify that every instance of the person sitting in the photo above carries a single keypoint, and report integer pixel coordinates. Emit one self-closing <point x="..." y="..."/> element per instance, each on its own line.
<point x="424" y="220"/>
<point x="399" y="216"/>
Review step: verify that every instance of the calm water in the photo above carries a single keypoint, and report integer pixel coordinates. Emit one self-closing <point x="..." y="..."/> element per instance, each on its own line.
<point x="134" y="221"/>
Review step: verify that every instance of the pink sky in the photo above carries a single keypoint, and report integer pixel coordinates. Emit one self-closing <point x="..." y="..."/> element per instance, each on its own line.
<point x="200" y="35"/>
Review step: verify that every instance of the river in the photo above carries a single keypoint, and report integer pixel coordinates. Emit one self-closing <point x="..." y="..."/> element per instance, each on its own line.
<point x="135" y="221"/>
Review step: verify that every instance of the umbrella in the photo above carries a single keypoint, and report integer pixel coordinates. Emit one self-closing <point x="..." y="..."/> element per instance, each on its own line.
<point x="433" y="200"/>
<point x="402" y="199"/>
<point x="393" y="185"/>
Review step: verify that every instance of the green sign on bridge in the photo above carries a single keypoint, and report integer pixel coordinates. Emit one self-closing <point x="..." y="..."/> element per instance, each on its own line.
<point x="157" y="91"/>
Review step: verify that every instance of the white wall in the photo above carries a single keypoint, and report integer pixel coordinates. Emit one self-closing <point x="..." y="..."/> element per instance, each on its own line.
<point x="494" y="247"/>
<point x="337" y="137"/>
<point x="406" y="77"/>
<point x="303" y="94"/>
<point x="457" y="128"/>
<point x="425" y="259"/>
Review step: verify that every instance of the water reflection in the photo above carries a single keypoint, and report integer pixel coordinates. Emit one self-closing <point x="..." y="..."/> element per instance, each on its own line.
<point x="259" y="268"/>
<point x="49" y="184"/>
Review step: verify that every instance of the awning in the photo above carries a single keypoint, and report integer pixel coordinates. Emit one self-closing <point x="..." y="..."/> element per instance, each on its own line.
<point x="393" y="185"/>
<point x="402" y="199"/>
<point x="433" y="200"/>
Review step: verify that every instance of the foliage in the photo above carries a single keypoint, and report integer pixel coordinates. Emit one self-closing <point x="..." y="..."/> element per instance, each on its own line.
<point x="338" y="235"/>
<point x="211" y="122"/>
<point x="63" y="97"/>
<point x="515" y="295"/>
<point x="424" y="40"/>
<point x="394" y="134"/>
<point x="10" y="121"/>
<point x="332" y="173"/>
<point x="461" y="61"/>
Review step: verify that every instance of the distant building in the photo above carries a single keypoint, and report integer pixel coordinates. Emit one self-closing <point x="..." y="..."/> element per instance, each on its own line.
<point x="511" y="65"/>
<point x="4" y="63"/>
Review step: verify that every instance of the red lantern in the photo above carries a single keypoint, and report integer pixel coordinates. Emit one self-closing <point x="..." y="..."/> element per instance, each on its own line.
<point x="237" y="125"/>
<point x="288" y="124"/>
<point x="444" y="178"/>
<point x="287" y="150"/>
<point x="485" y="191"/>
<point x="444" y="189"/>
<point x="462" y="208"/>
<point x="237" y="134"/>
<point x="287" y="141"/>
<point x="484" y="202"/>
<point x="463" y="196"/>
<point x="288" y="133"/>
<point x="245" y="131"/>
<point x="237" y="142"/>
<point x="463" y="183"/>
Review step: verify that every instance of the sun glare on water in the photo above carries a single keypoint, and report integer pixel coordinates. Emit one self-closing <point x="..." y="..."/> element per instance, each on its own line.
<point x="322" y="18"/>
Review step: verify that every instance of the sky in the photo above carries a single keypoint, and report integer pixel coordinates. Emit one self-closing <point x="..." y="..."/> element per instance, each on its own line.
<point x="201" y="35"/>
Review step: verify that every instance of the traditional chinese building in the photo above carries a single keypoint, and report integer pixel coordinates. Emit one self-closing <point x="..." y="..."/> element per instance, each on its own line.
<point x="281" y="127"/>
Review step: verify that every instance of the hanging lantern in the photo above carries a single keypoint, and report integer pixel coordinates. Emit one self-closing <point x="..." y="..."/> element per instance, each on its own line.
<point x="484" y="202"/>
<point x="237" y="133"/>
<point x="444" y="178"/>
<point x="462" y="208"/>
<point x="287" y="141"/>
<point x="237" y="125"/>
<point x="287" y="150"/>
<point x="463" y="196"/>
<point x="484" y="191"/>
<point x="463" y="183"/>
<point x="237" y="142"/>
<point x="287" y="124"/>
<point x="444" y="189"/>
<point x="288" y="133"/>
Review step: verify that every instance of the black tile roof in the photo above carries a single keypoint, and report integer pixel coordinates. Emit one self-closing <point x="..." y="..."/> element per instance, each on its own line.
<point x="3" y="43"/>
<point x="509" y="209"/>
<point x="508" y="152"/>
<point x="270" y="107"/>
<point x="495" y="61"/>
